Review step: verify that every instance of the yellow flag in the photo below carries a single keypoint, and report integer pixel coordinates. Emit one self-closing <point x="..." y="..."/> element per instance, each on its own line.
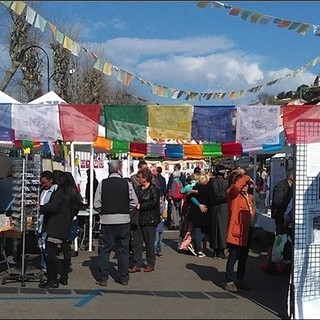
<point x="67" y="43"/>
<point x="18" y="7"/>
<point x="170" y="122"/>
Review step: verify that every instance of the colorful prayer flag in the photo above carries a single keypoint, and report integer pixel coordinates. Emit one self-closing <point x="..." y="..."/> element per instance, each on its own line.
<point x="79" y="122"/>
<point x="212" y="124"/>
<point x="127" y="123"/>
<point x="170" y="122"/>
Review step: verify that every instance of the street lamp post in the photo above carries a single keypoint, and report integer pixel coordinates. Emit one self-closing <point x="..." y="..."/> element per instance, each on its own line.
<point x="48" y="62"/>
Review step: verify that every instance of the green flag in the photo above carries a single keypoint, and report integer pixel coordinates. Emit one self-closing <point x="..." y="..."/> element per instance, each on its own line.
<point x="119" y="146"/>
<point x="212" y="150"/>
<point x="128" y="123"/>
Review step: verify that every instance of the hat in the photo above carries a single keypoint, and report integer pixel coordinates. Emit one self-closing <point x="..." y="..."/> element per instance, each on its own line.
<point x="220" y="170"/>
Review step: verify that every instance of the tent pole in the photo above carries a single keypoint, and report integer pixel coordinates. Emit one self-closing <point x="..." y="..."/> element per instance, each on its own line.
<point x="72" y="172"/>
<point x="128" y="164"/>
<point x="91" y="198"/>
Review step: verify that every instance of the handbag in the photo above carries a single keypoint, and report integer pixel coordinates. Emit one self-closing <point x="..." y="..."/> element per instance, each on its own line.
<point x="74" y="230"/>
<point x="134" y="217"/>
<point x="282" y="243"/>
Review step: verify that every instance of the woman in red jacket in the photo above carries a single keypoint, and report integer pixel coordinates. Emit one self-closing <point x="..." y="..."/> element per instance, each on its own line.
<point x="240" y="229"/>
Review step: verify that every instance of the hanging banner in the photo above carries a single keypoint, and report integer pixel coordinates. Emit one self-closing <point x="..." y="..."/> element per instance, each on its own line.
<point x="36" y="122"/>
<point x="170" y="122"/>
<point x="127" y="123"/>
<point x="79" y="122"/>
<point x="212" y="123"/>
<point x="257" y="125"/>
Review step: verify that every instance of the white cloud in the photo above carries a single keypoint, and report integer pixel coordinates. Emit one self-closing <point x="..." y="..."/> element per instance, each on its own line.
<point x="90" y="32"/>
<point x="127" y="51"/>
<point x="199" y="64"/>
<point x="219" y="71"/>
<point x="117" y="24"/>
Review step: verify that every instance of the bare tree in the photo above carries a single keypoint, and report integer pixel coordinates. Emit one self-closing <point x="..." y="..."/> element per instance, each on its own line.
<point x="18" y="41"/>
<point x="75" y="79"/>
<point x="61" y="61"/>
<point x="22" y="43"/>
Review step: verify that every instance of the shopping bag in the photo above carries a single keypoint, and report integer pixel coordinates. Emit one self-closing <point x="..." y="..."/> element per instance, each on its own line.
<point x="281" y="244"/>
<point x="270" y="267"/>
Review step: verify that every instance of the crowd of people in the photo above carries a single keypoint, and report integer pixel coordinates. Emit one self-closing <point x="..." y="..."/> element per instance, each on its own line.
<point x="213" y="208"/>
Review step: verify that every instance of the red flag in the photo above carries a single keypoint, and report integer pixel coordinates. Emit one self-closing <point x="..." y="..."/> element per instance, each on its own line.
<point x="301" y="123"/>
<point x="79" y="122"/>
<point x="232" y="149"/>
<point x="56" y="149"/>
<point x="136" y="147"/>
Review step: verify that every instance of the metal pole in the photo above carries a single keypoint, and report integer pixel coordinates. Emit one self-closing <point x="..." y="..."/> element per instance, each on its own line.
<point x="48" y="62"/>
<point x="72" y="172"/>
<point x="91" y="197"/>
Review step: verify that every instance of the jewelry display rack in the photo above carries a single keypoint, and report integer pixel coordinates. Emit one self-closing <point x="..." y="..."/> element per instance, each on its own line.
<point x="25" y="208"/>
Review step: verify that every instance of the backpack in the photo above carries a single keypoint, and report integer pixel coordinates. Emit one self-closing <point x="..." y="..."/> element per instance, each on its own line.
<point x="175" y="189"/>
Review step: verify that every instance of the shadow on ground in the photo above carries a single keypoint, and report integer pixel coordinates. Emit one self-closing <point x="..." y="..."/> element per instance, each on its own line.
<point x="269" y="291"/>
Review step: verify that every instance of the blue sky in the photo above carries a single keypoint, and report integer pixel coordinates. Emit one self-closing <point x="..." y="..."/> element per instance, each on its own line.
<point x="178" y="45"/>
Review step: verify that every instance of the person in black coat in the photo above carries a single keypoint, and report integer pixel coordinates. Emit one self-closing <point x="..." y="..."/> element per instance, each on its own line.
<point x="219" y="214"/>
<point x="149" y="216"/>
<point x="59" y="212"/>
<point x="282" y="194"/>
<point x="162" y="180"/>
<point x="199" y="215"/>
<point x="95" y="185"/>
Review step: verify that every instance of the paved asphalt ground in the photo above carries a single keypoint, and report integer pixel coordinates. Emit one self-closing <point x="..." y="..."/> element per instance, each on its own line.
<point x="182" y="287"/>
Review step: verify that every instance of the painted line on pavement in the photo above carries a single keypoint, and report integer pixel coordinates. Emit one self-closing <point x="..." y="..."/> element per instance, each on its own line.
<point x="88" y="298"/>
<point x="83" y="299"/>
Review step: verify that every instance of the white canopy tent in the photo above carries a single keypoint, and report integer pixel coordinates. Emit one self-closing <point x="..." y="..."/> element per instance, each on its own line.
<point x="49" y="98"/>
<point x="5" y="98"/>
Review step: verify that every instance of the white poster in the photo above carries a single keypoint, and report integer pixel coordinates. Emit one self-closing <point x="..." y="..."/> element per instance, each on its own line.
<point x="313" y="221"/>
<point x="313" y="159"/>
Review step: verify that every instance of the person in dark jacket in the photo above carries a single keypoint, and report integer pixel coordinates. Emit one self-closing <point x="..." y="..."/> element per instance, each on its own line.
<point x="59" y="212"/>
<point x="115" y="198"/>
<point x="163" y="182"/>
<point x="95" y="185"/>
<point x="282" y="194"/>
<point x="149" y="216"/>
<point x="198" y="212"/>
<point x="134" y="177"/>
<point x="48" y="187"/>
<point x="219" y="214"/>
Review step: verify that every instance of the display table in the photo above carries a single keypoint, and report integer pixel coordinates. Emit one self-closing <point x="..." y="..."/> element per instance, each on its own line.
<point x="264" y="221"/>
<point x="83" y="217"/>
<point x="86" y="213"/>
